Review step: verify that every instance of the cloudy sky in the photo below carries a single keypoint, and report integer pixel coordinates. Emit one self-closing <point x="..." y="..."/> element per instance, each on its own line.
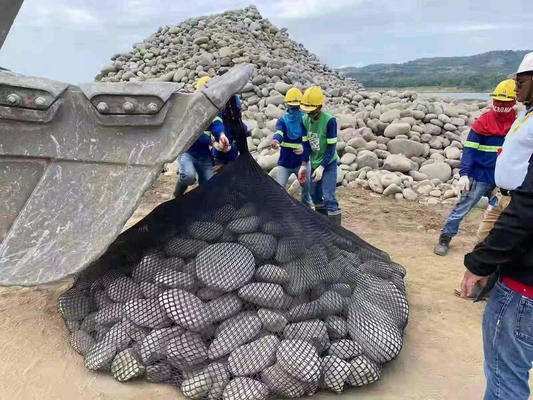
<point x="69" y="40"/>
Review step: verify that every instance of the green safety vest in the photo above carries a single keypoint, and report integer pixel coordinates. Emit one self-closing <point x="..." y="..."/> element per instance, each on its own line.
<point x="316" y="135"/>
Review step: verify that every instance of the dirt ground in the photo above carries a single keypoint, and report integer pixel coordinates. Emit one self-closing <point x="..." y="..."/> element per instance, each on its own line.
<point x="441" y="358"/>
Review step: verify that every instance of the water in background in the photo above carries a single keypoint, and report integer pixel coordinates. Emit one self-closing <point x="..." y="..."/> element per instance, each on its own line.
<point x="460" y="96"/>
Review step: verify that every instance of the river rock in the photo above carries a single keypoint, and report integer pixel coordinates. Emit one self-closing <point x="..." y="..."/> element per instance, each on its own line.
<point x="335" y="372"/>
<point x="234" y="334"/>
<point x="245" y="389"/>
<point x="187" y="350"/>
<point x="127" y="366"/>
<point x="185" y="309"/>
<point x="408" y="148"/>
<point x="367" y="158"/>
<point x="225" y="266"/>
<point x="439" y="170"/>
<point x="254" y="357"/>
<point x="396" y="129"/>
<point x="397" y="162"/>
<point x="299" y="359"/>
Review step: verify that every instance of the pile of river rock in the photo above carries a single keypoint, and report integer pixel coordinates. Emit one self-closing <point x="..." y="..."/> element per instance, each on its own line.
<point x="396" y="143"/>
<point x="239" y="306"/>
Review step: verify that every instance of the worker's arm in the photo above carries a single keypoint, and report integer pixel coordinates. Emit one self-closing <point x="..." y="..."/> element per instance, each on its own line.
<point x="510" y="234"/>
<point x="281" y="130"/>
<point x="470" y="150"/>
<point x="331" y="135"/>
<point x="307" y="148"/>
<point x="217" y="127"/>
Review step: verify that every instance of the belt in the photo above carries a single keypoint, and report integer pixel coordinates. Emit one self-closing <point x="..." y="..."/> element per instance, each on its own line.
<point x="518" y="287"/>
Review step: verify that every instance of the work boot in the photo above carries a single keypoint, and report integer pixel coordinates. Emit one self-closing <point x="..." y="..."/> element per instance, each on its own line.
<point x="322" y="211"/>
<point x="335" y="218"/>
<point x="444" y="245"/>
<point x="180" y="190"/>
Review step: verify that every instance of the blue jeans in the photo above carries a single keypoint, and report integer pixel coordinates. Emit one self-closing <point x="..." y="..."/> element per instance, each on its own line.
<point x="465" y="204"/>
<point x="507" y="344"/>
<point x="282" y="177"/>
<point x="190" y="166"/>
<point x="323" y="191"/>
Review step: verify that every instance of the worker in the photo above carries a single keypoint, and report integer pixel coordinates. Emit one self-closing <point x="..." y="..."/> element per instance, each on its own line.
<point x="290" y="135"/>
<point x="480" y="150"/>
<point x="197" y="159"/>
<point x="223" y="155"/>
<point x="321" y="130"/>
<point x="507" y="253"/>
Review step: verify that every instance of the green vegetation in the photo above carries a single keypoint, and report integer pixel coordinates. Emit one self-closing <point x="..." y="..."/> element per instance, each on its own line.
<point x="481" y="72"/>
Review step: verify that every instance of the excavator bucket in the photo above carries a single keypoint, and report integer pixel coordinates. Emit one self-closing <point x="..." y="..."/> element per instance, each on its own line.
<point x="76" y="160"/>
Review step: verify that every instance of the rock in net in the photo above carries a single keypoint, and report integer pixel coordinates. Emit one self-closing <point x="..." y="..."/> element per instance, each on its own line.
<point x="238" y="291"/>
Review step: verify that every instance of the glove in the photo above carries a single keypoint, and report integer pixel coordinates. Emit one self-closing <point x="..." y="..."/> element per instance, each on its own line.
<point x="275" y="144"/>
<point x="464" y="184"/>
<point x="317" y="175"/>
<point x="302" y="174"/>
<point x="223" y="140"/>
<point x="299" y="150"/>
<point x="218" y="146"/>
<point x="226" y="149"/>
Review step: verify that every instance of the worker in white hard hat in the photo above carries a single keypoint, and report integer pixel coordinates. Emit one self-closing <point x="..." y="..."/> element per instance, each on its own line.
<point x="506" y="256"/>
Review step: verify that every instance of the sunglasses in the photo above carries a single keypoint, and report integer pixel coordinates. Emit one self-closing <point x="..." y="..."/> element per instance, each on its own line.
<point x="519" y="84"/>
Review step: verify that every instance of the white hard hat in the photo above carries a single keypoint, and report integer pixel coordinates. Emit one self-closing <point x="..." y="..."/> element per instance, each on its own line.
<point x="525" y="66"/>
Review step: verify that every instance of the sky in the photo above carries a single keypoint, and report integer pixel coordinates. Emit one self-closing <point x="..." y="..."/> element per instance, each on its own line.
<point x="70" y="40"/>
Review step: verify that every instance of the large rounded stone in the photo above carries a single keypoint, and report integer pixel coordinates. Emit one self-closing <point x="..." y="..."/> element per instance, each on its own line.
<point x="281" y="383"/>
<point x="185" y="309"/>
<point x="438" y="170"/>
<point x="109" y="315"/>
<point x="254" y="357"/>
<point x="207" y="231"/>
<point x="245" y="389"/>
<point x="224" y="307"/>
<point x="367" y="158"/>
<point x="245" y="225"/>
<point x="225" y="266"/>
<point x="74" y="305"/>
<point x="408" y="148"/>
<point x="154" y="346"/>
<point x="124" y="289"/>
<point x="396" y="129"/>
<point x="184" y="248"/>
<point x="272" y="274"/>
<point x="220" y="377"/>
<point x="100" y="356"/>
<point x="262" y="245"/>
<point x="151" y="290"/>
<point x="187" y="350"/>
<point x="159" y="372"/>
<point x="345" y="349"/>
<point x="299" y="359"/>
<point x="314" y="332"/>
<point x="234" y="334"/>
<point x="335" y="372"/>
<point x="81" y="342"/>
<point x="364" y="372"/>
<point x="348" y="158"/>
<point x="397" y="162"/>
<point x="127" y="366"/>
<point x="272" y="321"/>
<point x="147" y="313"/>
<point x="268" y="295"/>
<point x="197" y="386"/>
<point x="389" y="116"/>
<point x="336" y="326"/>
<point x="175" y="279"/>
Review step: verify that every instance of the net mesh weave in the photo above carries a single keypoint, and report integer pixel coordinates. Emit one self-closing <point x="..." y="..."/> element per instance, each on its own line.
<point x="238" y="291"/>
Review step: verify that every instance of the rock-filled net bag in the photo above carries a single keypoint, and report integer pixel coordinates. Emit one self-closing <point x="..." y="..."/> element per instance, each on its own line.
<point x="238" y="291"/>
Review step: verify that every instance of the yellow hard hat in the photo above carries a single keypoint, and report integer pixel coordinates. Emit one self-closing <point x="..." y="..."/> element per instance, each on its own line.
<point x="312" y="99"/>
<point x="202" y="81"/>
<point x="505" y="91"/>
<point x="293" y="97"/>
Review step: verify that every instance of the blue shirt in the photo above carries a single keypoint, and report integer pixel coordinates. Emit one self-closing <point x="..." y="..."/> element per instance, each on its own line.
<point x="287" y="157"/>
<point x="200" y="148"/>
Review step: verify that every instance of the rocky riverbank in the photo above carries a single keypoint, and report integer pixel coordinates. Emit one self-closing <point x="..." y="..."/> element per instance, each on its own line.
<point x="394" y="143"/>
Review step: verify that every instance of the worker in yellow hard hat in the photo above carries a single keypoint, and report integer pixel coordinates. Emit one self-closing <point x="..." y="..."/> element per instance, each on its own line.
<point x="290" y="136"/>
<point x="322" y="143"/>
<point x="197" y="159"/>
<point x="478" y="162"/>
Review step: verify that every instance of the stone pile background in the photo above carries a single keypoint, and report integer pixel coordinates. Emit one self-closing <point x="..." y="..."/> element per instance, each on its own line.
<point x="395" y="143"/>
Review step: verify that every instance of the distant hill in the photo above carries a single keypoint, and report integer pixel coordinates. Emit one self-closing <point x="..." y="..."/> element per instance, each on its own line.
<point x="480" y="72"/>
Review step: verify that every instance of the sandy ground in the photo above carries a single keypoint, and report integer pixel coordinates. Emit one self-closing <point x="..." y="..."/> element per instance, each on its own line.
<point x="441" y="358"/>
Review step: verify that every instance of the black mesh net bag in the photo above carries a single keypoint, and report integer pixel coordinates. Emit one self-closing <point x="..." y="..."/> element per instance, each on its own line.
<point x="238" y="291"/>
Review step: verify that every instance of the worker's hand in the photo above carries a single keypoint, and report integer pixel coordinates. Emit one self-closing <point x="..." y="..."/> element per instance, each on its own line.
<point x="217" y="146"/>
<point x="317" y="175"/>
<point x="464" y="184"/>
<point x="469" y="280"/>
<point x="223" y="140"/>
<point x="226" y="149"/>
<point x="302" y="174"/>
<point x="299" y="150"/>
<point x="275" y="144"/>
